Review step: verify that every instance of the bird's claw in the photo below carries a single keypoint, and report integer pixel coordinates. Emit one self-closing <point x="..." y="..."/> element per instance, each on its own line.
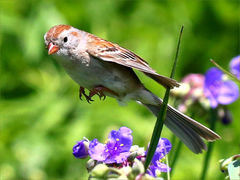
<point x="89" y="100"/>
<point x="82" y="92"/>
<point x="100" y="95"/>
<point x="98" y="90"/>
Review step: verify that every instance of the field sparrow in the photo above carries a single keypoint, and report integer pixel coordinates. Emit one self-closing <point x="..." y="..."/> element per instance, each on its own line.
<point x="106" y="69"/>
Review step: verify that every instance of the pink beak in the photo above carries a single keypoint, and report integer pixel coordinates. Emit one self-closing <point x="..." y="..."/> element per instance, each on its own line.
<point x="52" y="48"/>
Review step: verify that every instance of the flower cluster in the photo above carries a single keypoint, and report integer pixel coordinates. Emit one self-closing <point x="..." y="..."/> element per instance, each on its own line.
<point x="119" y="157"/>
<point x="191" y="92"/>
<point x="210" y="90"/>
<point x="117" y="148"/>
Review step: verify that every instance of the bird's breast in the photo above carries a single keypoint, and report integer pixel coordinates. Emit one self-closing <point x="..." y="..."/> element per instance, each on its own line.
<point x="90" y="72"/>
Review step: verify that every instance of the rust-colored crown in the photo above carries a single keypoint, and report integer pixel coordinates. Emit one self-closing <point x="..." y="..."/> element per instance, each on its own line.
<point x="56" y="30"/>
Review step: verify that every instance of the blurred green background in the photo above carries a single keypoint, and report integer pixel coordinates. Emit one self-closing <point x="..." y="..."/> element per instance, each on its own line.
<point x="41" y="116"/>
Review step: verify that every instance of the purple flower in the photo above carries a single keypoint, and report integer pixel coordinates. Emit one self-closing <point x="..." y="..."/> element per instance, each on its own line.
<point x="235" y="66"/>
<point x="80" y="150"/>
<point x="163" y="148"/>
<point x="152" y="170"/>
<point x="218" y="90"/>
<point x="117" y="148"/>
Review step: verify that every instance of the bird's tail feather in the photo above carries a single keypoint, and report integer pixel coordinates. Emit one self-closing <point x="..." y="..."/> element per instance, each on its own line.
<point x="163" y="80"/>
<point x="185" y="128"/>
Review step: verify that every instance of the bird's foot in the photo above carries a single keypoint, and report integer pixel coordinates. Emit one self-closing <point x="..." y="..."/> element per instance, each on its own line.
<point x="82" y="92"/>
<point x="99" y="90"/>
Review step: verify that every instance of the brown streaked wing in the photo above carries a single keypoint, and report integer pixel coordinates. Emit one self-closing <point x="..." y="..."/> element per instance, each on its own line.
<point x="107" y="51"/>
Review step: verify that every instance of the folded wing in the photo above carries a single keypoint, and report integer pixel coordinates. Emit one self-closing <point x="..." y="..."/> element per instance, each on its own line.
<point x="110" y="52"/>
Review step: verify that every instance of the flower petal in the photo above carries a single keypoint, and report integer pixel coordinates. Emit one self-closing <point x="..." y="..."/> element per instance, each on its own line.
<point x="194" y="80"/>
<point x="212" y="76"/>
<point x="121" y="140"/>
<point x="166" y="144"/>
<point x="235" y="66"/>
<point x="163" y="148"/>
<point x="117" y="148"/>
<point x="163" y="167"/>
<point x="98" y="151"/>
<point x="211" y="97"/>
<point x="123" y="131"/>
<point x="152" y="170"/>
<point x="117" y="158"/>
<point x="228" y="93"/>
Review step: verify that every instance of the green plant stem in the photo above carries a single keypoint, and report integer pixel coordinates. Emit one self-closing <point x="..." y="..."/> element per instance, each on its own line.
<point x="176" y="156"/>
<point x="173" y="142"/>
<point x="213" y="119"/>
<point x="157" y="131"/>
<point x="167" y="162"/>
<point x="161" y="117"/>
<point x="225" y="71"/>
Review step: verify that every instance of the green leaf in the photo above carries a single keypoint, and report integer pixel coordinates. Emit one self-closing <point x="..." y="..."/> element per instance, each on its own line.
<point x="162" y="114"/>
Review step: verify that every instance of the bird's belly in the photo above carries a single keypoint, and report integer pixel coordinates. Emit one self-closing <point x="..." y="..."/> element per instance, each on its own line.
<point x="99" y="73"/>
<point x="90" y="79"/>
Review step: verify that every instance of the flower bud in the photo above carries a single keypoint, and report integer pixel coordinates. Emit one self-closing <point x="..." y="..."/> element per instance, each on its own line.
<point x="138" y="167"/>
<point x="181" y="91"/>
<point x="99" y="171"/>
<point x="90" y="164"/>
<point x="225" y="115"/>
<point x="138" y="150"/>
<point x="80" y="150"/>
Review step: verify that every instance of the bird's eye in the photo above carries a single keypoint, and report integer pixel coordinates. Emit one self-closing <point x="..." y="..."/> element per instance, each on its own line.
<point x="65" y="39"/>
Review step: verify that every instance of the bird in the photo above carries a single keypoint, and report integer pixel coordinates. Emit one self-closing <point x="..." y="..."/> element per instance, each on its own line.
<point x="107" y="69"/>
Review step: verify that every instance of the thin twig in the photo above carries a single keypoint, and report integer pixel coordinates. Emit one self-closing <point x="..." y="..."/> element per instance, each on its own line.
<point x="225" y="71"/>
<point x="167" y="162"/>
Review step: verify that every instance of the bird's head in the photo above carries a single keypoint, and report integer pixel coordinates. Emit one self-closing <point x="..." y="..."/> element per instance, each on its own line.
<point x="62" y="39"/>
